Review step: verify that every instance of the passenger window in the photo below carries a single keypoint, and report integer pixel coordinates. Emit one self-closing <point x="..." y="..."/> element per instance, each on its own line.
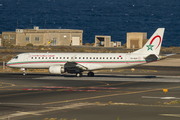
<point x="110" y="57"/>
<point x="103" y="57"/>
<point x="107" y="58"/>
<point x="83" y="58"/>
<point x="63" y="57"/>
<point x="75" y="57"/>
<point x="31" y="57"/>
<point x="117" y="57"/>
<point x="56" y="57"/>
<point x="93" y="57"/>
<point x="90" y="57"/>
<point x="86" y="57"/>
<point x="114" y="58"/>
<point x="35" y="57"/>
<point x="39" y="57"/>
<point x="96" y="57"/>
<point x="42" y="58"/>
<point x="71" y="57"/>
<point x="79" y="57"/>
<point x="49" y="57"/>
<point x="53" y="57"/>
<point x="59" y="57"/>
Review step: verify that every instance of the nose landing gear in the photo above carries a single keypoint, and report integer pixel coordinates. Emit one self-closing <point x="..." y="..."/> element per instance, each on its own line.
<point x="24" y="71"/>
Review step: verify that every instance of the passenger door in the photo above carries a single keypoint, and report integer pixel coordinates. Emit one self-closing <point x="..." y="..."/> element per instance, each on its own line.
<point x="26" y="57"/>
<point x="127" y="58"/>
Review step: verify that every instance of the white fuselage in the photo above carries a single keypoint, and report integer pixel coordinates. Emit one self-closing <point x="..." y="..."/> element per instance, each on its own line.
<point x="91" y="61"/>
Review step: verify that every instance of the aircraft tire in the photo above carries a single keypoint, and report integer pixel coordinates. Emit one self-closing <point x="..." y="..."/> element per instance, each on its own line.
<point x="90" y="74"/>
<point x="79" y="74"/>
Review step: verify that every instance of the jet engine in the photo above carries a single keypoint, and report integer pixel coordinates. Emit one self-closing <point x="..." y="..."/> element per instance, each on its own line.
<point x="56" y="69"/>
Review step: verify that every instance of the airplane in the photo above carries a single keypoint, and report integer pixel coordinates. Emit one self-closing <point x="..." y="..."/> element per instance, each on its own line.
<point x="59" y="63"/>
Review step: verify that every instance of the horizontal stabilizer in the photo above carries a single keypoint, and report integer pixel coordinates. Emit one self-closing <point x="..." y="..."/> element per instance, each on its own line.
<point x="170" y="54"/>
<point x="165" y="56"/>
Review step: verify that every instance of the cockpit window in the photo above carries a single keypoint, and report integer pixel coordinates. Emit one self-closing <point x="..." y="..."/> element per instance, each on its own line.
<point x="15" y="57"/>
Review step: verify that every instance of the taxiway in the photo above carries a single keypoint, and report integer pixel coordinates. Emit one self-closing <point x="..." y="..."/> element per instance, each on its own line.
<point x="103" y="97"/>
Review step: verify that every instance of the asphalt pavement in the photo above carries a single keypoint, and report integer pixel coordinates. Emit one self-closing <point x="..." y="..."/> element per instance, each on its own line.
<point x="103" y="97"/>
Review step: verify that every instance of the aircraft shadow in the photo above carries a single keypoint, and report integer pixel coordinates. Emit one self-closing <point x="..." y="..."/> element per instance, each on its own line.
<point x="32" y="75"/>
<point x="115" y="76"/>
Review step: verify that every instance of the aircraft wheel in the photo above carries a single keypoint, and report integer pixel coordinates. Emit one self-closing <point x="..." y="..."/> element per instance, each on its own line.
<point x="79" y="74"/>
<point x="24" y="72"/>
<point x="90" y="74"/>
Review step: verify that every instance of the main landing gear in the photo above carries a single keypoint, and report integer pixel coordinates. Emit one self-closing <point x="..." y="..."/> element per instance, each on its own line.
<point x="90" y="74"/>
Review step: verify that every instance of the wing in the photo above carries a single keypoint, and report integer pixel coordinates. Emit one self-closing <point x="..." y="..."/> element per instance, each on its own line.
<point x="82" y="66"/>
<point x="71" y="65"/>
<point x="74" y="65"/>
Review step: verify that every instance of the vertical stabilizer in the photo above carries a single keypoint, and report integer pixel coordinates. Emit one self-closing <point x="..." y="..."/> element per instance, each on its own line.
<point x="153" y="45"/>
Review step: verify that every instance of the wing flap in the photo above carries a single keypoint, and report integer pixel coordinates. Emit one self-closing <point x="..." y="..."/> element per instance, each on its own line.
<point x="92" y="66"/>
<point x="83" y="66"/>
<point x="75" y="65"/>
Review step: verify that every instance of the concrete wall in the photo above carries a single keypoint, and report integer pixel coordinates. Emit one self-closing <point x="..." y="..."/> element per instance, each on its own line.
<point x="8" y="38"/>
<point x="101" y="40"/>
<point x="46" y="37"/>
<point x="118" y="44"/>
<point x="136" y="39"/>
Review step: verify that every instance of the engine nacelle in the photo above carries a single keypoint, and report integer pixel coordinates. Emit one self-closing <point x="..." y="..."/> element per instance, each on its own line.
<point x="56" y="69"/>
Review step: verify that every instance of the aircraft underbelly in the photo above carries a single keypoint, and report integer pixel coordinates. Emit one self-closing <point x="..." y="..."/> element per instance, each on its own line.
<point x="95" y="66"/>
<point x="117" y="65"/>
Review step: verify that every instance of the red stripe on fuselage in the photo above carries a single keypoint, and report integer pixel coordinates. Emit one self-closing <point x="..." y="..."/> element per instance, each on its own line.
<point x="76" y="62"/>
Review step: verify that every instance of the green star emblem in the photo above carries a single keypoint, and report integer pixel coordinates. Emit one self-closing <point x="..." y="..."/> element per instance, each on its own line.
<point x="150" y="46"/>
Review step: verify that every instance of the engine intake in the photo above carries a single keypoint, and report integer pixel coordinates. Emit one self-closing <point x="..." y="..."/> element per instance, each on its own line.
<point x="56" y="69"/>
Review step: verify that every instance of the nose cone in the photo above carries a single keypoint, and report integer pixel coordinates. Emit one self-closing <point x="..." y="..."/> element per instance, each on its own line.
<point x="8" y="63"/>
